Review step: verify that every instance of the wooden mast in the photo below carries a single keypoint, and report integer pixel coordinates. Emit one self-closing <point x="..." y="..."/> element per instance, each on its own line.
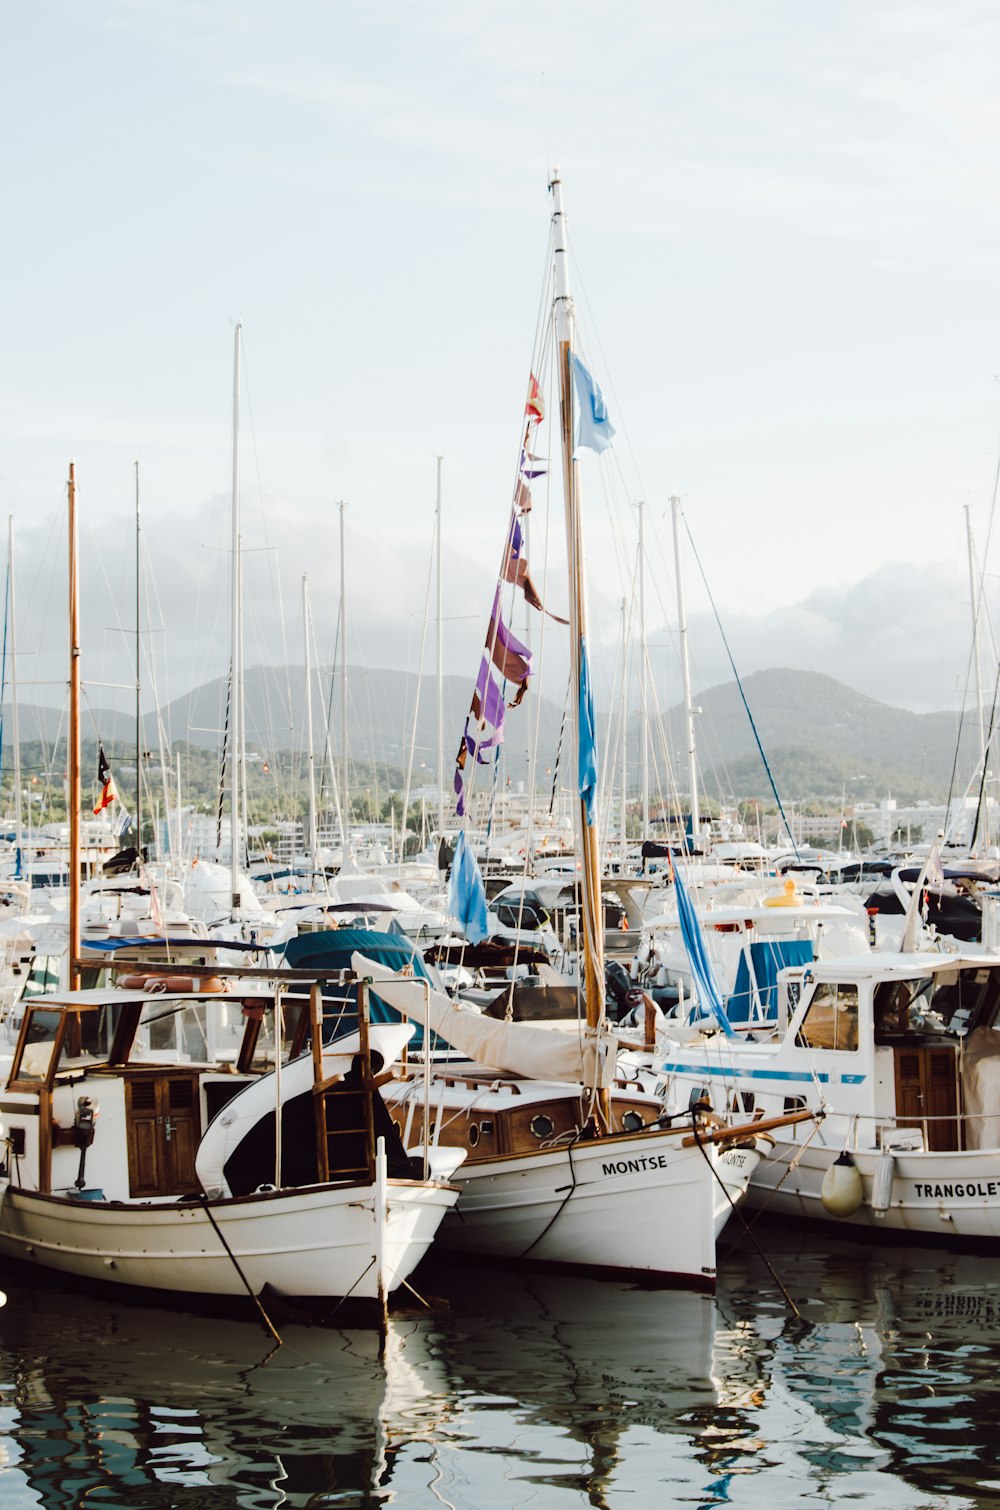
<point x="73" y="752"/>
<point x="591" y="910"/>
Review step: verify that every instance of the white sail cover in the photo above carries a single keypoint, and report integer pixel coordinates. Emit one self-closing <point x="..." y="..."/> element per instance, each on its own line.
<point x="573" y="1054"/>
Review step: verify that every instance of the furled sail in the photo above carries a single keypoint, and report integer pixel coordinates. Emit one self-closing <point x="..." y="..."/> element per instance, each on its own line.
<point x="572" y="1053"/>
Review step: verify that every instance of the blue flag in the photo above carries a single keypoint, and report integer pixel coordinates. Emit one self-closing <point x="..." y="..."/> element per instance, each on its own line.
<point x="709" y="999"/>
<point x="587" y="738"/>
<point x="593" y="427"/>
<point x="466" y="892"/>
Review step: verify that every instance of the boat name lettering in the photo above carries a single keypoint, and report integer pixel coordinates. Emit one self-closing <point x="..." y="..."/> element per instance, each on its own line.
<point x="956" y="1192"/>
<point x="636" y="1166"/>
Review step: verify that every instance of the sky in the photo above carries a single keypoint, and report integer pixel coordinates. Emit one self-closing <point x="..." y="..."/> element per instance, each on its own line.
<point x="786" y="235"/>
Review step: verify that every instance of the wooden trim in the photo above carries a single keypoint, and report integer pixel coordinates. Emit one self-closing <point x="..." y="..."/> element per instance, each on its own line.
<point x="749" y="1129"/>
<point x="45" y="1141"/>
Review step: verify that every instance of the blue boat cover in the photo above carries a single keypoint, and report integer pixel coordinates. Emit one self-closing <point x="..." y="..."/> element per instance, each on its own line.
<point x="332" y="948"/>
<point x="766" y="959"/>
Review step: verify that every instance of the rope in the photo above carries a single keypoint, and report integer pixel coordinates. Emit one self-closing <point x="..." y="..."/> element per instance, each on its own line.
<point x="792" y="1164"/>
<point x="746" y="1227"/>
<point x="739" y="684"/>
<point x="268" y="1323"/>
<point x="222" y="768"/>
<point x="559" y="748"/>
<point x="562" y="1204"/>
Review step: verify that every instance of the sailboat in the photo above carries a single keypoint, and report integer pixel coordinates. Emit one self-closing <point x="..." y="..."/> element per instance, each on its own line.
<point x="564" y="1166"/>
<point x="171" y="1134"/>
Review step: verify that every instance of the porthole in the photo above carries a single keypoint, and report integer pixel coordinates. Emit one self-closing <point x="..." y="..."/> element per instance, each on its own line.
<point x="542" y="1126"/>
<point x="473" y="1134"/>
<point x="632" y="1121"/>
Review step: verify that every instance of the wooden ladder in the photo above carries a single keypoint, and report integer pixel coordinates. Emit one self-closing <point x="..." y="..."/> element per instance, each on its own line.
<point x="345" y="1133"/>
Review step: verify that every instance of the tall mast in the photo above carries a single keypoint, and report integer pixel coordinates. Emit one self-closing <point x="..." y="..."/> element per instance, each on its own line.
<point x="138" y="672"/>
<point x="643" y="682"/>
<point x="236" y="646"/>
<point x="74" y="736"/>
<point x="310" y="757"/>
<point x="440" y="661"/>
<point x="692" y="754"/>
<point x="345" y="784"/>
<point x="976" y="595"/>
<point x="18" y="839"/>
<point x="624" y="718"/>
<point x="592" y="916"/>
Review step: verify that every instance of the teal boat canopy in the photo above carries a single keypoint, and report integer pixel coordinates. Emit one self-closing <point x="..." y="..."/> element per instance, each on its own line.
<point x="332" y="949"/>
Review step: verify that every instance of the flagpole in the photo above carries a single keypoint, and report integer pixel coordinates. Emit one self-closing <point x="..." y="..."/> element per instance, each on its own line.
<point x="74" y="737"/>
<point x="591" y="912"/>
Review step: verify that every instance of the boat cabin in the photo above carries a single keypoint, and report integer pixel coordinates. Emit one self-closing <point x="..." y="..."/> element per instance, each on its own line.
<point x="903" y="1045"/>
<point x="149" y="1070"/>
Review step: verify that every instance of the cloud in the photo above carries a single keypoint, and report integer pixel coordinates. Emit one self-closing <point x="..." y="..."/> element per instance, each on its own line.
<point x="901" y="634"/>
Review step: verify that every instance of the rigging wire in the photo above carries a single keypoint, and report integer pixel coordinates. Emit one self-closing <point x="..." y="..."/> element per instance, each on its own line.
<point x="739" y="685"/>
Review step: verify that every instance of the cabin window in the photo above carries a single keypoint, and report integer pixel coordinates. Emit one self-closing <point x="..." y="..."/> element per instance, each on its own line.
<point x="87" y="1039"/>
<point x="517" y="915"/>
<point x="173" y="1031"/>
<point x="42" y="977"/>
<point x="898" y="1004"/>
<point x="831" y="1020"/>
<point x="38" y="1045"/>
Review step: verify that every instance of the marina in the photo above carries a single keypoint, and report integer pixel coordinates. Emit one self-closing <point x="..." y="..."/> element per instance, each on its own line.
<point x="499" y="823"/>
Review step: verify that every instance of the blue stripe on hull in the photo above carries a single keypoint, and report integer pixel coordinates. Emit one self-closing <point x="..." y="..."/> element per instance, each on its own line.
<point x="731" y="1073"/>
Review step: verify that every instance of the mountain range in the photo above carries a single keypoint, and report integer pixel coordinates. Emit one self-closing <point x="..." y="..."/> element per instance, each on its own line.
<point x="818" y="735"/>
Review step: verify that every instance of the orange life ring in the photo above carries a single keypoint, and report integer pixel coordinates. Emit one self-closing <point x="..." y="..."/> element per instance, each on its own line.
<point x="159" y="984"/>
<point x="207" y="983"/>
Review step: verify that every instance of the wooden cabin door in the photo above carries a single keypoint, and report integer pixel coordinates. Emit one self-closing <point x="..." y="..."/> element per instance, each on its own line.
<point x="927" y="1093"/>
<point x="163" y="1133"/>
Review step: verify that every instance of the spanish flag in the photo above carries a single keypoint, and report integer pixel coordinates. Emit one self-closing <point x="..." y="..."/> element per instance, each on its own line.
<point x="106" y="782"/>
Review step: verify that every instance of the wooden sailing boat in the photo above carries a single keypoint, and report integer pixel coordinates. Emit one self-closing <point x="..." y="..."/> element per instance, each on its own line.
<point x="562" y="1165"/>
<point x="136" y="1143"/>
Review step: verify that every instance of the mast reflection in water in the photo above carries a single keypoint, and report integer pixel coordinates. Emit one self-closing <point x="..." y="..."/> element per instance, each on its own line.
<point x="526" y="1390"/>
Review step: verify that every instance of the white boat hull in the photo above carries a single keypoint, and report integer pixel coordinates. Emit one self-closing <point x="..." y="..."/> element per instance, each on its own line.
<point x="318" y="1242"/>
<point x="949" y="1194"/>
<point x="645" y="1206"/>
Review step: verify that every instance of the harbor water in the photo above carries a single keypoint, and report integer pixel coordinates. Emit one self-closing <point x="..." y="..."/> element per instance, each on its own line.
<point x="524" y="1389"/>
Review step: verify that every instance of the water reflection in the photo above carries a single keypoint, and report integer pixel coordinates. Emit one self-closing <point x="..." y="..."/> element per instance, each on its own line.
<point x="126" y="1405"/>
<point x="549" y="1391"/>
<point x="900" y="1361"/>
